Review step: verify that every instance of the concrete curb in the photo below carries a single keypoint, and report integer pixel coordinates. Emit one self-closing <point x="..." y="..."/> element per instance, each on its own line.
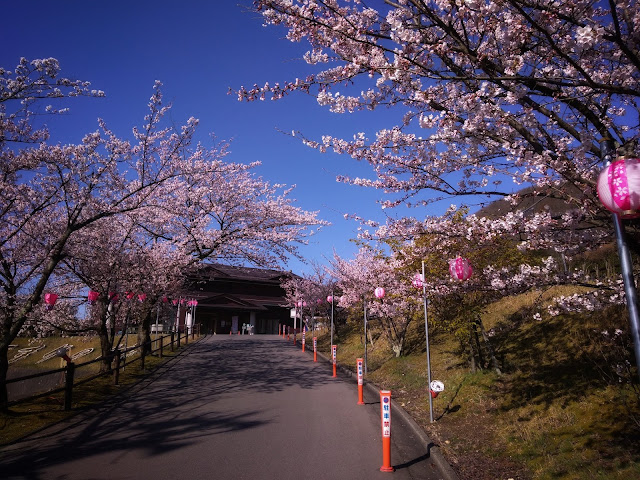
<point x="434" y="450"/>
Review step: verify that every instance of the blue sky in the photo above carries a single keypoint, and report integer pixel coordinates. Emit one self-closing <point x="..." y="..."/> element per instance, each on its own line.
<point x="199" y="49"/>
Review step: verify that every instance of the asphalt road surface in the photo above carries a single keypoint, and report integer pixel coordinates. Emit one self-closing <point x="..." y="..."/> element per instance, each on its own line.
<point x="232" y="407"/>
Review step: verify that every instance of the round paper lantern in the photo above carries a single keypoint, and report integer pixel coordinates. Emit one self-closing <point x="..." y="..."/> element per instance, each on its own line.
<point x="435" y="388"/>
<point x="330" y="299"/>
<point x="417" y="281"/>
<point x="92" y="296"/>
<point x="50" y="299"/>
<point x="130" y="295"/>
<point x="460" y="269"/>
<point x="379" y="292"/>
<point x="619" y="187"/>
<point x="142" y="297"/>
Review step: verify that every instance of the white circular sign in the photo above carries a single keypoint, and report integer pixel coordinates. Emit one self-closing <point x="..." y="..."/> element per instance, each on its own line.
<point x="437" y="386"/>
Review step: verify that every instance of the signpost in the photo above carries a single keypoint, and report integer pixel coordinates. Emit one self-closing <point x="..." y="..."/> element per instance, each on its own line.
<point x="360" y="369"/>
<point x="385" y="413"/>
<point x="334" y="354"/>
<point x="315" y="349"/>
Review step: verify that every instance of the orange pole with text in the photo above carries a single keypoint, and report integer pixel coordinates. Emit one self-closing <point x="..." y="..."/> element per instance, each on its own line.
<point x="385" y="413"/>
<point x="315" y="349"/>
<point x="288" y="335"/>
<point x="359" y="369"/>
<point x="303" y="339"/>
<point x="334" y="355"/>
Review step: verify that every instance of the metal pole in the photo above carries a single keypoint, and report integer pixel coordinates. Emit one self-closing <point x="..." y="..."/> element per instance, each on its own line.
<point x="332" y="318"/>
<point x="364" y="303"/>
<point x="426" y="332"/>
<point x="606" y="153"/>
<point x="157" y="316"/>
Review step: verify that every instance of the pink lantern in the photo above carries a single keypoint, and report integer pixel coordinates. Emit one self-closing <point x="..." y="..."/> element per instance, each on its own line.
<point x="50" y="299"/>
<point x="130" y="295"/>
<point x="175" y="302"/>
<point x="417" y="281"/>
<point x="92" y="296"/>
<point x="142" y="297"/>
<point x="165" y="299"/>
<point x="113" y="297"/>
<point x="460" y="268"/>
<point x="379" y="292"/>
<point x="194" y="302"/>
<point x="619" y="187"/>
<point x="330" y="299"/>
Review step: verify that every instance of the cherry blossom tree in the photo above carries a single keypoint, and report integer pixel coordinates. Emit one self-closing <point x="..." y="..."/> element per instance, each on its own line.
<point x="161" y="201"/>
<point x="359" y="277"/>
<point x="308" y="293"/>
<point x="490" y="97"/>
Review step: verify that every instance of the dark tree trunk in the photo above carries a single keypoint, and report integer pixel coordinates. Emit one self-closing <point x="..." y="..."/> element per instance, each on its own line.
<point x="492" y="354"/>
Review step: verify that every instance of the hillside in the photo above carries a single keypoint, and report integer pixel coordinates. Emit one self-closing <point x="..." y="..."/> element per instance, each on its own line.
<point x="567" y="405"/>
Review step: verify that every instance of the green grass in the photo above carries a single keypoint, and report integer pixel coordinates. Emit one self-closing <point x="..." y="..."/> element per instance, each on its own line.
<point x="558" y="411"/>
<point x="32" y="415"/>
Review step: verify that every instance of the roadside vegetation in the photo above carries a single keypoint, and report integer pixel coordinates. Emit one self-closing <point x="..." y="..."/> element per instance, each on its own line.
<point x="565" y="406"/>
<point x="30" y="416"/>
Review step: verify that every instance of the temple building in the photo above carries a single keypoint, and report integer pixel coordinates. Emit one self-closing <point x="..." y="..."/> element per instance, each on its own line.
<point x="234" y="299"/>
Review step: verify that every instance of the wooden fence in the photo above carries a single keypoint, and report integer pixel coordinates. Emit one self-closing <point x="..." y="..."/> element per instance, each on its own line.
<point x="118" y="359"/>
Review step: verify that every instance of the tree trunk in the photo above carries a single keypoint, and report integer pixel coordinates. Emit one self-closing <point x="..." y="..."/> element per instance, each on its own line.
<point x="106" y="341"/>
<point x="144" y="332"/>
<point x="476" y="339"/>
<point x="487" y="341"/>
<point x="472" y="354"/>
<point x="4" y="368"/>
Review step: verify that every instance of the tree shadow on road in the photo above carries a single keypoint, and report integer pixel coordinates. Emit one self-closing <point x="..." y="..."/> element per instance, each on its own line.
<point x="173" y="408"/>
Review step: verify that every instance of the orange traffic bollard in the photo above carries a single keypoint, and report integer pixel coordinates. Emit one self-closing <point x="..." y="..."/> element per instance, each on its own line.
<point x="359" y="368"/>
<point x="334" y="354"/>
<point x="288" y="334"/>
<point x="315" y="349"/>
<point x="303" y="339"/>
<point x="385" y="413"/>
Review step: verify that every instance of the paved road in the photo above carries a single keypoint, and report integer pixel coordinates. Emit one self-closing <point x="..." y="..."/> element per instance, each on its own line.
<point x="233" y="407"/>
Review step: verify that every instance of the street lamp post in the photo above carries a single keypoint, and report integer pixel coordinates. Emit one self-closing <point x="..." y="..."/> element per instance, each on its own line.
<point x="419" y="282"/>
<point x="330" y="300"/>
<point x="606" y="155"/>
<point x="425" y="302"/>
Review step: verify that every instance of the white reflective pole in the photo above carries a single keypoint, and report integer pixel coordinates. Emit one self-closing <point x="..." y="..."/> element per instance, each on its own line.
<point x="332" y="300"/>
<point x="426" y="332"/>
<point x="364" y="303"/>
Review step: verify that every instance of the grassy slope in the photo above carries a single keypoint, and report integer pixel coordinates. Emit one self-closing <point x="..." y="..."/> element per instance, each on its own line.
<point x="550" y="415"/>
<point x="30" y="416"/>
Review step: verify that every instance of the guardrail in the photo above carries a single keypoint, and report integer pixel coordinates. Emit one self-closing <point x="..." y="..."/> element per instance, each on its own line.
<point x="117" y="356"/>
